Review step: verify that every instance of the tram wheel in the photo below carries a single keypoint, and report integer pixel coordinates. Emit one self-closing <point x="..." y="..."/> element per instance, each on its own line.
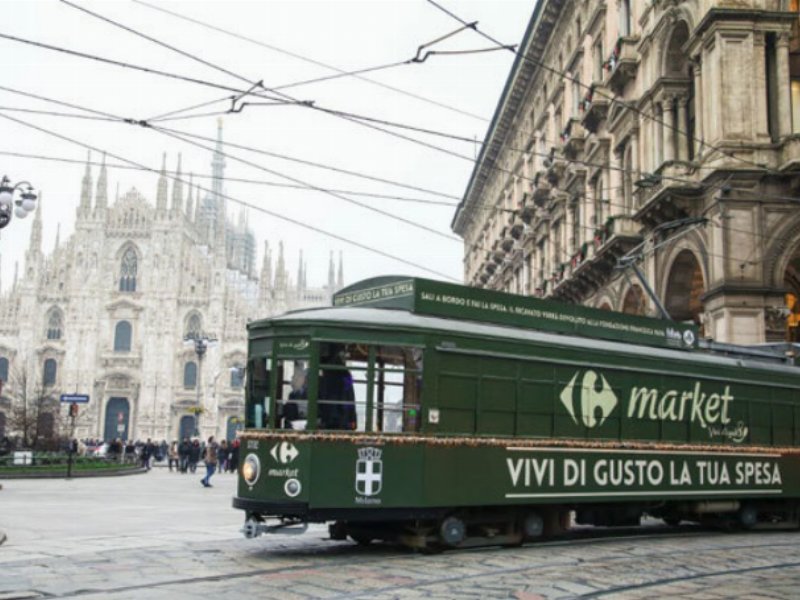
<point x="362" y="539"/>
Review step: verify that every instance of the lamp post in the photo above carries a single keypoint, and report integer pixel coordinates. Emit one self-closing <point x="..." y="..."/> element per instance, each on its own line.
<point x="25" y="204"/>
<point x="201" y="343"/>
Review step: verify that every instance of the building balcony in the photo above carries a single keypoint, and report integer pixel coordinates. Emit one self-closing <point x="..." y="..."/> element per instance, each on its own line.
<point x="667" y="194"/>
<point x="541" y="189"/>
<point x="527" y="208"/>
<point x="573" y="138"/>
<point x="595" y="105"/>
<point x="617" y="236"/>
<point x="556" y="170"/>
<point x="623" y="63"/>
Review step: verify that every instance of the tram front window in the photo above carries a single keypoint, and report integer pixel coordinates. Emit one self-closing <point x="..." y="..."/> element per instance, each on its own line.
<point x="342" y="386"/>
<point x="258" y="372"/>
<point x="291" y="399"/>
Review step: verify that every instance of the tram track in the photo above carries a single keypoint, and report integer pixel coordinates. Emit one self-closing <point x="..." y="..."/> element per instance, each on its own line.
<point x="319" y="560"/>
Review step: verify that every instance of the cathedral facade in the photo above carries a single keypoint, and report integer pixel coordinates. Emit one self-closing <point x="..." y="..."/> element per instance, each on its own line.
<point x="144" y="309"/>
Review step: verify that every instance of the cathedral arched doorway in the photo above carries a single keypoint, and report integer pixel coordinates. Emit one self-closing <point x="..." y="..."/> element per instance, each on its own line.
<point x="634" y="302"/>
<point x="186" y="427"/>
<point x="117" y="423"/>
<point x="234" y="424"/>
<point x="685" y="286"/>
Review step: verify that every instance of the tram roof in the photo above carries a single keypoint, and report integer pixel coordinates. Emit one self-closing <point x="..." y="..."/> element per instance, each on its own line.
<point x="442" y="299"/>
<point x="382" y="318"/>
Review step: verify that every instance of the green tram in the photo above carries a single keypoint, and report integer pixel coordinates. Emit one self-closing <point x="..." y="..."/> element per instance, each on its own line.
<point x="439" y="415"/>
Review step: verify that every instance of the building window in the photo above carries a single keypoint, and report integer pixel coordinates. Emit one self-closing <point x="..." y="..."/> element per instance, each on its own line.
<point x="624" y="18"/>
<point x="794" y="76"/>
<point x="194" y="327"/>
<point x="122" y="337"/>
<point x="49" y="372"/>
<point x="237" y="376"/>
<point x="3" y="368"/>
<point x="599" y="60"/>
<point x="127" y="272"/>
<point x="190" y="374"/>
<point x="54" y="325"/>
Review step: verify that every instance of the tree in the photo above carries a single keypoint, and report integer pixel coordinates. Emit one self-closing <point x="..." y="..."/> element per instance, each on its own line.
<point x="35" y="415"/>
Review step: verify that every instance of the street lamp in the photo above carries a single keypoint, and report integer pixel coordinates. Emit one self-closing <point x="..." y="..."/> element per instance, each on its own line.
<point x="201" y="343"/>
<point x="25" y="204"/>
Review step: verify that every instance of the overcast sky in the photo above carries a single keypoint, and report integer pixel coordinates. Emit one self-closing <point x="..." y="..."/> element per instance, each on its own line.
<point x="345" y="34"/>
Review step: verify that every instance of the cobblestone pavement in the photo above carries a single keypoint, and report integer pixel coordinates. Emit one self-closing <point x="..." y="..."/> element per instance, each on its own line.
<point x="162" y="535"/>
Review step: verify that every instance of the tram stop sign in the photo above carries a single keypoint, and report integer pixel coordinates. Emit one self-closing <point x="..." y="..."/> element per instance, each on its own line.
<point x="78" y="398"/>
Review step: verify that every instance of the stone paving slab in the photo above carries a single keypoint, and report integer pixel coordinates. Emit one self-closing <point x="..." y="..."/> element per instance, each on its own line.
<point x="161" y="535"/>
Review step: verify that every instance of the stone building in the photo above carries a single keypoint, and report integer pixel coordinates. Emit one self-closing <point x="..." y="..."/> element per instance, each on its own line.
<point x="666" y="131"/>
<point x="109" y="311"/>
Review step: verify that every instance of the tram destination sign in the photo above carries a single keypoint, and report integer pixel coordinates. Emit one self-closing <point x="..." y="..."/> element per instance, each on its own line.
<point x="441" y="299"/>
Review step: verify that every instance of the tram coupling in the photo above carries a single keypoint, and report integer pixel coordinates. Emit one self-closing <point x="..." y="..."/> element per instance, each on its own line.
<point x="253" y="528"/>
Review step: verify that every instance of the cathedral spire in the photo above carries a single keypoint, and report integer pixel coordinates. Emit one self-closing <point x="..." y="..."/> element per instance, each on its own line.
<point x="1" y="274"/>
<point x="217" y="177"/>
<point x="266" y="272"/>
<point x="16" y="273"/>
<point x="161" y="194"/>
<point x="35" y="246"/>
<point x="58" y="237"/>
<point x="101" y="198"/>
<point x="198" y="217"/>
<point x="86" y="190"/>
<point x="177" y="189"/>
<point x="189" y="201"/>
<point x="340" y="277"/>
<point x="300" y="277"/>
<point x="280" y="269"/>
<point x="331" y="271"/>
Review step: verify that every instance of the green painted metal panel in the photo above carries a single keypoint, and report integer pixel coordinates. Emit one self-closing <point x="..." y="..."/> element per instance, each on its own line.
<point x="424" y="296"/>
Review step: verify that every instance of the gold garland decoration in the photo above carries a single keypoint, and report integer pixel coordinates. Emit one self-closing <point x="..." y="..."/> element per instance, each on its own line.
<point x="462" y="441"/>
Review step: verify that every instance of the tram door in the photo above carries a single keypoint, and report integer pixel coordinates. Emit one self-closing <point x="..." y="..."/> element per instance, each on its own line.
<point x="118" y="412"/>
<point x="186" y="427"/>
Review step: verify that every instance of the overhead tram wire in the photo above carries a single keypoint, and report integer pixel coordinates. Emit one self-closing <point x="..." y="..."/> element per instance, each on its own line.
<point x="311" y="61"/>
<point x="254" y="84"/>
<point x="301" y="103"/>
<point x="323" y="166"/>
<point x="521" y="54"/>
<point x="176" y="134"/>
<point x="185" y="139"/>
<point x="188" y="108"/>
<point x="278" y="184"/>
<point x="238" y="201"/>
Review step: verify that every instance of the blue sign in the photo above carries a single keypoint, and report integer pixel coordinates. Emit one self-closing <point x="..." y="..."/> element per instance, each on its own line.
<point x="80" y="398"/>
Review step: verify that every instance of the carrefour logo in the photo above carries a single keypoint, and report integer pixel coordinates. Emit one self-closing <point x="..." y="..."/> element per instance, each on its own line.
<point x="594" y="400"/>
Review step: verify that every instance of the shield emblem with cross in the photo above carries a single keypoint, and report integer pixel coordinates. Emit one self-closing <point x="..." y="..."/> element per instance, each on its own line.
<point x="369" y="471"/>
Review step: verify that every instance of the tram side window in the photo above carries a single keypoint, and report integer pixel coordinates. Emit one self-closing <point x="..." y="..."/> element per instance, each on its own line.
<point x="342" y="394"/>
<point x="397" y="389"/>
<point x="291" y="399"/>
<point x="257" y="392"/>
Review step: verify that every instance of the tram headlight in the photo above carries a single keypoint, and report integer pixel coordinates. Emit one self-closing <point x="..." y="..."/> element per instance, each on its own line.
<point x="251" y="469"/>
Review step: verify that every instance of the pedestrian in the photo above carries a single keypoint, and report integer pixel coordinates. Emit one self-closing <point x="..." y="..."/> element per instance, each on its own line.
<point x="184" y="450"/>
<point x="194" y="455"/>
<point x="147" y="453"/>
<point x="222" y="456"/>
<point x="210" y="458"/>
<point x="172" y="455"/>
<point x="233" y="459"/>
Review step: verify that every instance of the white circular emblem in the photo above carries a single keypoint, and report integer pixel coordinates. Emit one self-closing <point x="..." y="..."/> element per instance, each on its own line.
<point x="292" y="487"/>
<point x="688" y="337"/>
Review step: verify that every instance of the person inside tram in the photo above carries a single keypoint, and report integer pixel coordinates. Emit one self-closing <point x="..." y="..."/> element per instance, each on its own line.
<point x="292" y="410"/>
<point x="337" y="400"/>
